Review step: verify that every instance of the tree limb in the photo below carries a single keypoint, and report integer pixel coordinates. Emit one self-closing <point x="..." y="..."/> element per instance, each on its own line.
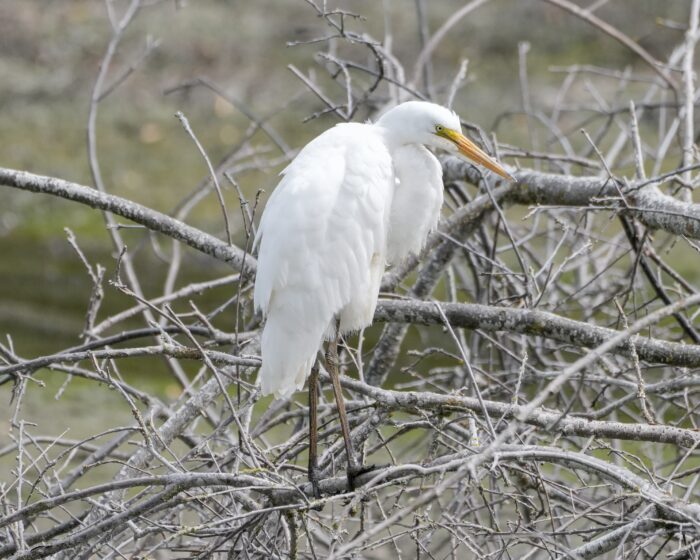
<point x="534" y="322"/>
<point x="151" y="219"/>
<point x="649" y="205"/>
<point x="546" y="419"/>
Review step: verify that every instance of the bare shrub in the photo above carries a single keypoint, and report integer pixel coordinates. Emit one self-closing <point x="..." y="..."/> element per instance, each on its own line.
<point x="529" y="389"/>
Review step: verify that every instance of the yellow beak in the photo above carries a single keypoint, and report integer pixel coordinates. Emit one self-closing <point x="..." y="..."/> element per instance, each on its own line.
<point x="474" y="153"/>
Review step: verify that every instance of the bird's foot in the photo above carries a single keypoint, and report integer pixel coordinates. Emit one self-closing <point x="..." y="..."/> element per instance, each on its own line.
<point x="354" y="471"/>
<point x="313" y="479"/>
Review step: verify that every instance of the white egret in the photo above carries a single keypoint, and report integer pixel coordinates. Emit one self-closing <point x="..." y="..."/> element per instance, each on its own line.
<point x="355" y="198"/>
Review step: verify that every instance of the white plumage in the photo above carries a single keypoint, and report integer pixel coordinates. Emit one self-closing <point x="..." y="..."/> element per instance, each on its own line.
<point x="415" y="208"/>
<point x="356" y="197"/>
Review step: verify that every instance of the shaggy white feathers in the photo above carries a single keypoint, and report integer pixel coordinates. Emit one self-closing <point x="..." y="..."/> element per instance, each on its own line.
<point x="355" y="197"/>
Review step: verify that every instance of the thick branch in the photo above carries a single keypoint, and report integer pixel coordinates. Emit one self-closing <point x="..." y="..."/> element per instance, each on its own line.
<point x="649" y="205"/>
<point x="180" y="352"/>
<point x="152" y="219"/>
<point x="184" y="481"/>
<point x="546" y="419"/>
<point x="537" y="323"/>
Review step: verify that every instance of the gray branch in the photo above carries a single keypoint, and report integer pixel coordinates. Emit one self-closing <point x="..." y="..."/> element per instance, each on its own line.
<point x="537" y="323"/>
<point x="672" y="508"/>
<point x="548" y="420"/>
<point x="648" y="204"/>
<point x="151" y="219"/>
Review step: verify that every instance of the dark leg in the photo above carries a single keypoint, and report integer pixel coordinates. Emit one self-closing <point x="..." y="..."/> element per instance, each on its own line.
<point x="332" y="365"/>
<point x="313" y="430"/>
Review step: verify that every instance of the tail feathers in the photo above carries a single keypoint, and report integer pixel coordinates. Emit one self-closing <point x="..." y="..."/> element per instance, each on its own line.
<point x="288" y="352"/>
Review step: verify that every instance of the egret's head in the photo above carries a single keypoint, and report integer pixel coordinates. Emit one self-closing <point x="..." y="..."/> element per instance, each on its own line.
<point x="420" y="122"/>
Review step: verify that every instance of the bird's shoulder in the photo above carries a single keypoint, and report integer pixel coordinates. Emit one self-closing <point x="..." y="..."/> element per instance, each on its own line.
<point x="348" y="156"/>
<point x="327" y="217"/>
<point x="347" y="141"/>
<point x="345" y="165"/>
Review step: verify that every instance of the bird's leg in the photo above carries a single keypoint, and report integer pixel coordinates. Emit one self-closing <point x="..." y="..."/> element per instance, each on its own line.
<point x="332" y="363"/>
<point x="313" y="430"/>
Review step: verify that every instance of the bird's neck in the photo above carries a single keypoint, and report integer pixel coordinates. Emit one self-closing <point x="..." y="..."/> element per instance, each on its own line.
<point x="396" y="138"/>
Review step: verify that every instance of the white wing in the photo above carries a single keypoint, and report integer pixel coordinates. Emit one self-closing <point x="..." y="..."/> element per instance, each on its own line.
<point x="417" y="200"/>
<point x="322" y="249"/>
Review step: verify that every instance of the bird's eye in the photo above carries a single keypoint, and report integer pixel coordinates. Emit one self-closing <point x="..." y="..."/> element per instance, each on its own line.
<point x="439" y="128"/>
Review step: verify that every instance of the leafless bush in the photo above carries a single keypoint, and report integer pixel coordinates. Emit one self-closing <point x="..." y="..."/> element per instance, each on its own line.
<point x="553" y="417"/>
